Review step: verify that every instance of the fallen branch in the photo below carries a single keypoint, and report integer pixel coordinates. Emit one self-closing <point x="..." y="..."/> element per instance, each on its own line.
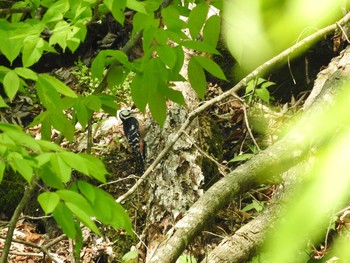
<point x="242" y="245"/>
<point x="257" y="72"/>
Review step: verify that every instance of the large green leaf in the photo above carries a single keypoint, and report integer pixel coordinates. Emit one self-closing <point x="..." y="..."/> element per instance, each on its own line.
<point x="26" y="73"/>
<point x="117" y="9"/>
<point x="48" y="201"/>
<point x="210" y="66"/>
<point x="49" y="177"/>
<point x="139" y="92"/>
<point x="211" y="31"/>
<point x="106" y="209"/>
<point x="59" y="86"/>
<point x="64" y="217"/>
<point x="22" y="166"/>
<point x="157" y="105"/>
<point x="95" y="167"/>
<point x="33" y="48"/>
<point x="80" y="213"/>
<point x="196" y="77"/>
<point x="75" y="161"/>
<point x="11" y="47"/>
<point x="60" y="168"/>
<point x="137" y="6"/>
<point x="197" y="18"/>
<point x="61" y="33"/>
<point x="11" y="84"/>
<point x="167" y="55"/>
<point x="56" y="11"/>
<point x="171" y="18"/>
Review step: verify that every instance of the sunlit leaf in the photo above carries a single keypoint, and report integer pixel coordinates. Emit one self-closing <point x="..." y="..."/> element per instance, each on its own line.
<point x="197" y="78"/>
<point x="48" y="201"/>
<point x="11" y="84"/>
<point x="197" y="18"/>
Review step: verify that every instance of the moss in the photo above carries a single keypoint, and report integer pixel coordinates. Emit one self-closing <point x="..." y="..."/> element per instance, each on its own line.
<point x="11" y="192"/>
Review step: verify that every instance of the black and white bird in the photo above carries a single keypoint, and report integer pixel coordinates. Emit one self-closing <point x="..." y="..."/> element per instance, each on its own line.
<point x="131" y="127"/>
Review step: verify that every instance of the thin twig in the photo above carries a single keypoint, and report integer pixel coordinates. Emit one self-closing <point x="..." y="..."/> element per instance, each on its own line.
<point x="248" y="127"/>
<point x="257" y="72"/>
<point x="343" y="31"/>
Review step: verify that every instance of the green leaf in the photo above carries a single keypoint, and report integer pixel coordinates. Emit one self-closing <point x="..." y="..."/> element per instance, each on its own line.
<point x="23" y="167"/>
<point x="108" y="103"/>
<point x="211" y="31"/>
<point x="60" y="34"/>
<point x="196" y="78"/>
<point x="171" y="18"/>
<point x="241" y="157"/>
<point x="136" y="5"/>
<point x="117" y="9"/>
<point x="116" y="75"/>
<point x="167" y="55"/>
<point x="58" y="85"/>
<point x="75" y="161"/>
<point x="60" y="168"/>
<point x="200" y="46"/>
<point x="210" y="66"/>
<point x="3" y="103"/>
<point x="12" y="46"/>
<point x="95" y="167"/>
<point x="139" y="92"/>
<point x="81" y="113"/>
<point x="80" y="212"/>
<point x="92" y="102"/>
<point x="32" y="51"/>
<point x="49" y="177"/>
<point x="48" y="201"/>
<point x="174" y="95"/>
<point x="11" y="84"/>
<point x="131" y="256"/>
<point x="258" y="206"/>
<point x="56" y="11"/>
<point x="197" y="18"/>
<point x="157" y="105"/>
<point x="26" y="73"/>
<point x="88" y="191"/>
<point x="110" y="212"/>
<point x="98" y="66"/>
<point x="263" y="94"/>
<point x="75" y="198"/>
<point x="64" y="218"/>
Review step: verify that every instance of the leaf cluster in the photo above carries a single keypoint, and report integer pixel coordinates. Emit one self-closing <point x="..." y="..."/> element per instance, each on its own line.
<point x="54" y="26"/>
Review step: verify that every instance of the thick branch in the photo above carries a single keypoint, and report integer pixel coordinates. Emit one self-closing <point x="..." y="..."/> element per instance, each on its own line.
<point x="257" y="72"/>
<point x="242" y="245"/>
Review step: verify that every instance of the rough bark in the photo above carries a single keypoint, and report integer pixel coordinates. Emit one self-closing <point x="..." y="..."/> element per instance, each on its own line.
<point x="175" y="183"/>
<point x="276" y="159"/>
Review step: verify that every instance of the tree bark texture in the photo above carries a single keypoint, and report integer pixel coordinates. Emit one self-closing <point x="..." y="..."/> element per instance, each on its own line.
<point x="175" y="183"/>
<point x="276" y="159"/>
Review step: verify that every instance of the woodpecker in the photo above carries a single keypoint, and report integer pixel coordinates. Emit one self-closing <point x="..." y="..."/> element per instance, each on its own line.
<point x="132" y="133"/>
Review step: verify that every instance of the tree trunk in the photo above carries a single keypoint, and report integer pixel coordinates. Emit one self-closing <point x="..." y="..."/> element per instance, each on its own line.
<point x="175" y="184"/>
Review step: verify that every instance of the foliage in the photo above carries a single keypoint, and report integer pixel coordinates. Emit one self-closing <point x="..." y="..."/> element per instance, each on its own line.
<point x="55" y="26"/>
